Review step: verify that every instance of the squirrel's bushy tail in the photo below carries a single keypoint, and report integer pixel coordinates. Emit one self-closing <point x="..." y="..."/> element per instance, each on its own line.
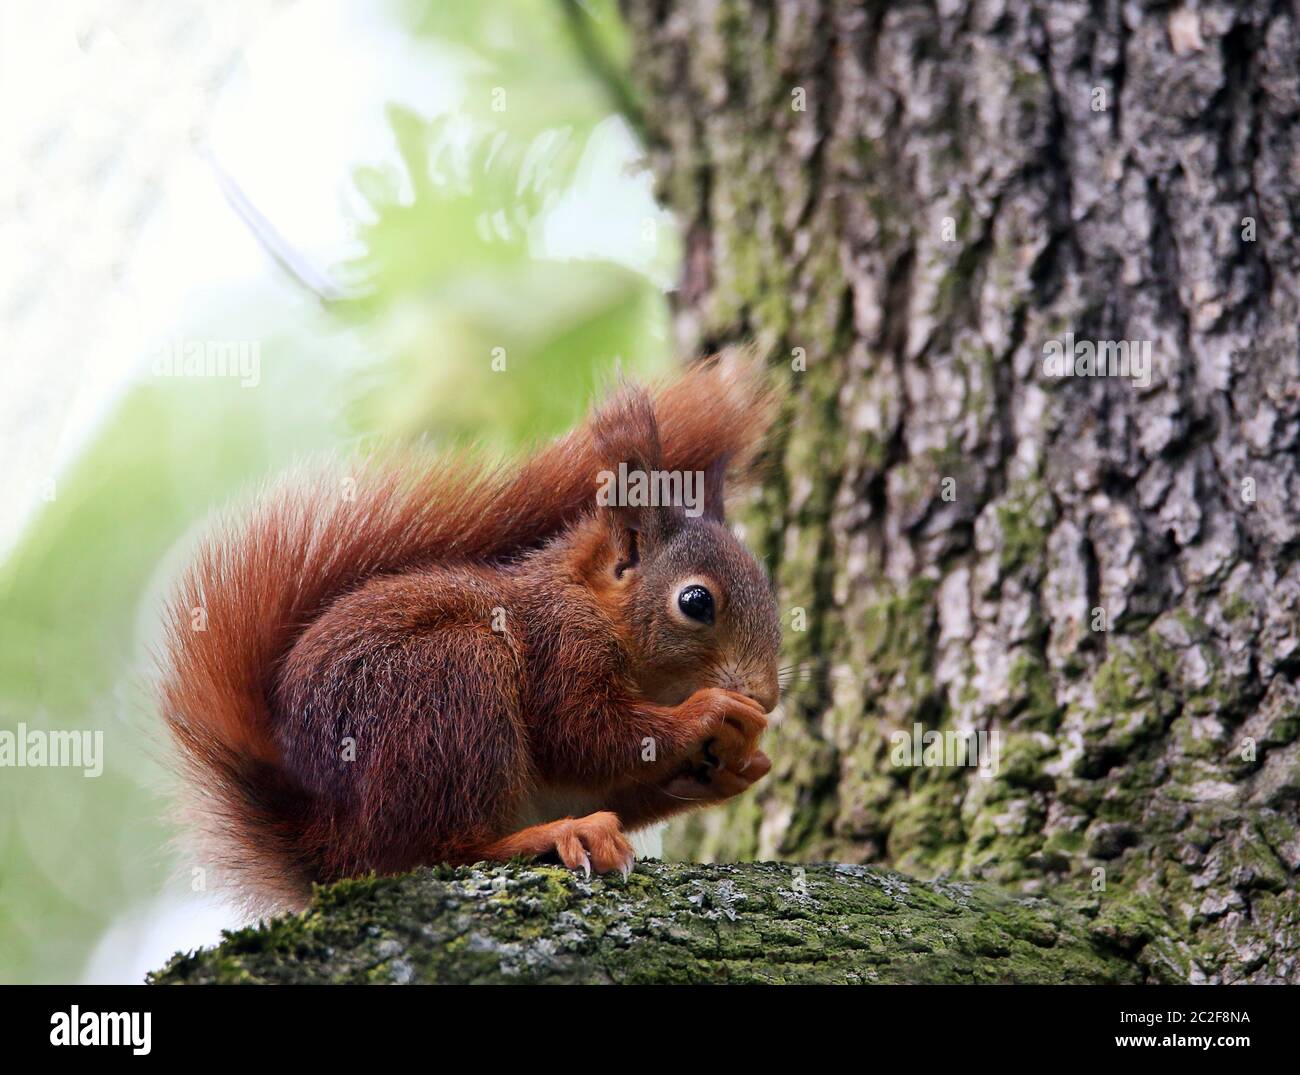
<point x="257" y="582"/>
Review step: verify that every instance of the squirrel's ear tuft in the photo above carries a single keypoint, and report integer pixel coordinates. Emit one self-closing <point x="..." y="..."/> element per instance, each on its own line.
<point x="625" y="430"/>
<point x="626" y="441"/>
<point x="715" y="489"/>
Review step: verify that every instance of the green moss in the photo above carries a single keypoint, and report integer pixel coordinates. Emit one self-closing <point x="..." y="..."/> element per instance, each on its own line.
<point x="1031" y="686"/>
<point x="897" y="629"/>
<point x="1004" y="840"/>
<point x="1064" y="843"/>
<point x="1023" y="521"/>
<point x="925" y="827"/>
<point x="1236" y="609"/>
<point x="760" y="922"/>
<point x="1127" y="921"/>
<point x="1127" y="679"/>
<point x="1021" y="762"/>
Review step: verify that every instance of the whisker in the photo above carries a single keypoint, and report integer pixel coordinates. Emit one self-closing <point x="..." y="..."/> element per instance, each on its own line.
<point x="794" y="673"/>
<point x="665" y="791"/>
<point x="797" y="673"/>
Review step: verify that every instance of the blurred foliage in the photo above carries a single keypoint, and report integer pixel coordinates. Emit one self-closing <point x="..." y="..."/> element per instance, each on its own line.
<point x="454" y="264"/>
<point x="456" y="295"/>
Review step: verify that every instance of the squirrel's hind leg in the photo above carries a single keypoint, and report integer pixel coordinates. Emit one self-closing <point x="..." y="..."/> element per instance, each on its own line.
<point x="595" y="842"/>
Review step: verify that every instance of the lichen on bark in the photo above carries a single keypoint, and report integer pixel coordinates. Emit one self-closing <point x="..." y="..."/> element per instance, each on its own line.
<point x="910" y="200"/>
<point x="667" y="923"/>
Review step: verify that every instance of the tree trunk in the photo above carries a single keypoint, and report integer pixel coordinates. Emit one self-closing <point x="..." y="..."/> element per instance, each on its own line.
<point x="758" y="922"/>
<point x="912" y="200"/>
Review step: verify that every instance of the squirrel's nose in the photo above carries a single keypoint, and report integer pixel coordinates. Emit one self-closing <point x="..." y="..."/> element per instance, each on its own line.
<point x="765" y="692"/>
<point x="763" y="689"/>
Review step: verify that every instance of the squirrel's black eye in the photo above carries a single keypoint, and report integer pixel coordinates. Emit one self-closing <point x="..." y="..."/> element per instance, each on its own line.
<point x="696" y="603"/>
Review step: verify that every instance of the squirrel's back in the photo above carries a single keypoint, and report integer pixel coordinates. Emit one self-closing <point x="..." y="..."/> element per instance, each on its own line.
<point x="258" y="581"/>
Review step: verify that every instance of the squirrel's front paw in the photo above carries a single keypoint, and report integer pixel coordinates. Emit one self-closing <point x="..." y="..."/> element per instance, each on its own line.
<point x="704" y="783"/>
<point x="595" y="842"/>
<point x="729" y="726"/>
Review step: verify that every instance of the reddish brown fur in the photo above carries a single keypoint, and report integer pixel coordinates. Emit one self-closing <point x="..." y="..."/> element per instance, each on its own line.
<point x="363" y="611"/>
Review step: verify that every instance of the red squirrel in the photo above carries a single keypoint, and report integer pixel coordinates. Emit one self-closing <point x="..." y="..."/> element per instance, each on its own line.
<point x="441" y="662"/>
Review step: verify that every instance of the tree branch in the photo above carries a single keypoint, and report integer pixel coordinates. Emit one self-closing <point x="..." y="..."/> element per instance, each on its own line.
<point x="750" y="922"/>
<point x="601" y="66"/>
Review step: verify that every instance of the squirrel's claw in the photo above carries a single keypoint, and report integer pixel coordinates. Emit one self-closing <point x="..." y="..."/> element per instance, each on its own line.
<point x="594" y="843"/>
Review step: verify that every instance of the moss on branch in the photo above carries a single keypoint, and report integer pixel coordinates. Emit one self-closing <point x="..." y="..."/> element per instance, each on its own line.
<point x="750" y="922"/>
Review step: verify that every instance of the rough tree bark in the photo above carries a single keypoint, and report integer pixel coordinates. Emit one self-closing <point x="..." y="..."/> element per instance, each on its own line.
<point x="759" y="922"/>
<point x="914" y="198"/>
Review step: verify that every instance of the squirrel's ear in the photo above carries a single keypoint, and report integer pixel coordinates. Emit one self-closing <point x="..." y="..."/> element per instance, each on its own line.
<point x="626" y="534"/>
<point x="626" y="442"/>
<point x="715" y="491"/>
<point x="636" y="522"/>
